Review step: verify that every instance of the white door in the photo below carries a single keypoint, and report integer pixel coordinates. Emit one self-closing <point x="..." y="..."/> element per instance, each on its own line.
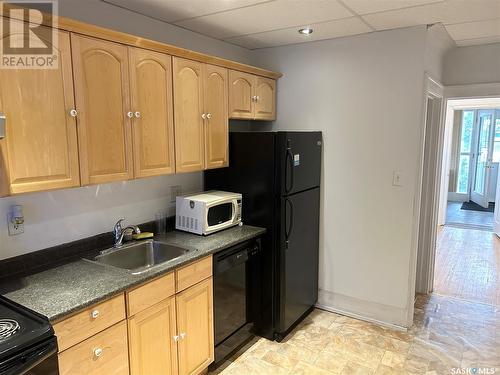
<point x="496" y="217"/>
<point x="482" y="158"/>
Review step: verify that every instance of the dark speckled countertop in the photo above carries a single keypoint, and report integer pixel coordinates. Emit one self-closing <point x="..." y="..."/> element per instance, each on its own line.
<point x="61" y="291"/>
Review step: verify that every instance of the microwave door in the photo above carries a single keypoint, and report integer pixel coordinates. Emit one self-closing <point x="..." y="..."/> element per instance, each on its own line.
<point x="220" y="215"/>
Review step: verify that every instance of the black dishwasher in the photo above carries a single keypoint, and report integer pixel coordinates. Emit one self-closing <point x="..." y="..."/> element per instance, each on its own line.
<point x="237" y="296"/>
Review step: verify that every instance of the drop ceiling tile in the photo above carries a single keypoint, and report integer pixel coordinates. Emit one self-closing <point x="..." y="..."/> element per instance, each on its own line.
<point x="474" y="30"/>
<point x="324" y="30"/>
<point x="268" y="16"/>
<point x="175" y="10"/>
<point x="477" y="41"/>
<point x="447" y="12"/>
<point x="373" y="6"/>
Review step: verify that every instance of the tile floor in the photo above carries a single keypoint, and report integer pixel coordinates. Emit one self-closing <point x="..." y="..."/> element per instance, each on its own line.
<point x="458" y="217"/>
<point x="448" y="333"/>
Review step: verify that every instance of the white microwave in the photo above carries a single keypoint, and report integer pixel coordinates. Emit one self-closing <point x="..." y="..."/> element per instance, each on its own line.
<point x="207" y="212"/>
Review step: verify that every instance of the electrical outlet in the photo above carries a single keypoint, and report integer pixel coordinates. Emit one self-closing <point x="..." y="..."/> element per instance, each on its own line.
<point x="15" y="220"/>
<point x="175" y="191"/>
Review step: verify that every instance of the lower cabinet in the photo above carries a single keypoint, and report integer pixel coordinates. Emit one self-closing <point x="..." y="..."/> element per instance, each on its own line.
<point x="103" y="354"/>
<point x="195" y="328"/>
<point x="152" y="335"/>
<point x="149" y="330"/>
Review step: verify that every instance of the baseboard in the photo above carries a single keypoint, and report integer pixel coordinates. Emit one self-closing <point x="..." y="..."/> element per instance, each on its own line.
<point x="373" y="312"/>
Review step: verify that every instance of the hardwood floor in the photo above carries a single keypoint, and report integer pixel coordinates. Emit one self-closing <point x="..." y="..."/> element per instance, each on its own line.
<point x="468" y="265"/>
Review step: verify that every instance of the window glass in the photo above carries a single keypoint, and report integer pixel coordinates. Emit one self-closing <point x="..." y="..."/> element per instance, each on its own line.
<point x="467" y="126"/>
<point x="496" y="145"/>
<point x="463" y="174"/>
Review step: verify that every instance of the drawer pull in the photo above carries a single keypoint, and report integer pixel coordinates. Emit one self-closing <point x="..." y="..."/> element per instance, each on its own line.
<point x="95" y="314"/>
<point x="98" y="352"/>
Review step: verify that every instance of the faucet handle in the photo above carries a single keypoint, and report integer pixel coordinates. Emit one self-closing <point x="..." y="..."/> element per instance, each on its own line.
<point x="118" y="226"/>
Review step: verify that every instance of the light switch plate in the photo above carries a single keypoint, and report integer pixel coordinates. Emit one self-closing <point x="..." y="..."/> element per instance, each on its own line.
<point x="397" y="178"/>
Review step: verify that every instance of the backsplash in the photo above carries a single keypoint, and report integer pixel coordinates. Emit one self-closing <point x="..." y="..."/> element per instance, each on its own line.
<point x="61" y="216"/>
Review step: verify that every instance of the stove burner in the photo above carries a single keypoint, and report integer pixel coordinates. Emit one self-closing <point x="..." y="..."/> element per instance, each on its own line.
<point x="8" y="327"/>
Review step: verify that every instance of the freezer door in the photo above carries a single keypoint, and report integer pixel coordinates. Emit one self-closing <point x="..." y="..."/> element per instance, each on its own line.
<point x="299" y="161"/>
<point x="299" y="256"/>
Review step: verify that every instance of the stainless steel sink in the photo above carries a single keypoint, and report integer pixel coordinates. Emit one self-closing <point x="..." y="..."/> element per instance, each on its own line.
<point x="140" y="257"/>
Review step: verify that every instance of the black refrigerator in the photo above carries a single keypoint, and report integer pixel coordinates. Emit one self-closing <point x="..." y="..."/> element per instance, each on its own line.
<point x="279" y="176"/>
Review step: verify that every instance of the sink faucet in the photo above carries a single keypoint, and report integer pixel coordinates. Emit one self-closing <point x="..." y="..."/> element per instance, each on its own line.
<point x="119" y="232"/>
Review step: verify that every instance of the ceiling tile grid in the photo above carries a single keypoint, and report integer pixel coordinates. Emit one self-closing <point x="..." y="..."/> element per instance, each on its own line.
<point x="257" y="24"/>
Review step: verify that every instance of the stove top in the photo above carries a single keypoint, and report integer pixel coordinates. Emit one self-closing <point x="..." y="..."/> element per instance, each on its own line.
<point x="20" y="328"/>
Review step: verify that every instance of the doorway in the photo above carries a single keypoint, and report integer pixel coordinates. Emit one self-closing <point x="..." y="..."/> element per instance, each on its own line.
<point x="473" y="168"/>
<point x="464" y="254"/>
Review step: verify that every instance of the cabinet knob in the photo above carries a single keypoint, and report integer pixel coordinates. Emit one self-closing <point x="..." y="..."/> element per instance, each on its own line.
<point x="130" y="114"/>
<point x="257" y="98"/>
<point x="176" y="338"/>
<point x="98" y="352"/>
<point x="209" y="116"/>
<point x="183" y="336"/>
<point x="73" y="113"/>
<point x="137" y="114"/>
<point x="95" y="314"/>
<point x="203" y="116"/>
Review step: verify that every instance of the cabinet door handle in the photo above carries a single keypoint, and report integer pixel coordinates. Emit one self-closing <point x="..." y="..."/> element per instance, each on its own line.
<point x="137" y="114"/>
<point x="209" y="116"/>
<point x="203" y="116"/>
<point x="95" y="314"/>
<point x="73" y="113"/>
<point x="257" y="98"/>
<point x="98" y="352"/>
<point x="183" y="336"/>
<point x="130" y="114"/>
<point x="176" y="338"/>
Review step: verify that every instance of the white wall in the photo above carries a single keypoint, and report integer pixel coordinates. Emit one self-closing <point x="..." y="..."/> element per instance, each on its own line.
<point x="472" y="65"/>
<point x="438" y="44"/>
<point x="366" y="94"/>
<point x="61" y="216"/>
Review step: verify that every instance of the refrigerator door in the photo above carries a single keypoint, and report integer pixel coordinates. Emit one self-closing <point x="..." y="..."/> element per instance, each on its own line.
<point x="299" y="257"/>
<point x="299" y="161"/>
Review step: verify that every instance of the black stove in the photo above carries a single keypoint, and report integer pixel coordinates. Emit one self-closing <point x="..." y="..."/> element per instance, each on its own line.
<point x="27" y="342"/>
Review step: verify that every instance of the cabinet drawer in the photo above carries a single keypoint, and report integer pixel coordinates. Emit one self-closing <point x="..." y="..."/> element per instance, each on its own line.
<point x="105" y="353"/>
<point x="150" y="294"/>
<point x="87" y="323"/>
<point x="193" y="273"/>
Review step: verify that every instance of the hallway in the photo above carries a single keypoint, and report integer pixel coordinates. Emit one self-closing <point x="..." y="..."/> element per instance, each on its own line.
<point x="468" y="265"/>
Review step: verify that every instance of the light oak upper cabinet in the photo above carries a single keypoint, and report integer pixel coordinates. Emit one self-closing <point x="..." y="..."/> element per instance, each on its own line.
<point x="200" y="115"/>
<point x="241" y="95"/>
<point x="151" y="340"/>
<point x="151" y="100"/>
<point x="195" y="327"/>
<point x="40" y="149"/>
<point x="265" y="98"/>
<point x="104" y="114"/>
<point x="188" y="111"/>
<point x="217" y="123"/>
<point x="251" y="97"/>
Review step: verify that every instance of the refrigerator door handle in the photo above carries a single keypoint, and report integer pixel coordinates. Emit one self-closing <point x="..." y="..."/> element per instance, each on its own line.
<point x="289" y="162"/>
<point x="289" y="225"/>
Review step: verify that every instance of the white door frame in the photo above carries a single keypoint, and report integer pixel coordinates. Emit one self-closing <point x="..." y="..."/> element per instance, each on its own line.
<point x="477" y="92"/>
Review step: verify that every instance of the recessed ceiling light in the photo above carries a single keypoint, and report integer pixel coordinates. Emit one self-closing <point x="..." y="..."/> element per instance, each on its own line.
<point x="306" y="31"/>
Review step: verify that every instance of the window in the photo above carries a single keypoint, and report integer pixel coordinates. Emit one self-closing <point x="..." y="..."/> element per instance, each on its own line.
<point x="496" y="141"/>
<point x="465" y="151"/>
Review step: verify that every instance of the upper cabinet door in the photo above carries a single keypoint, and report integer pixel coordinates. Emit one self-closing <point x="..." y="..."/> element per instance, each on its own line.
<point x="240" y="95"/>
<point x="103" y="104"/>
<point x="188" y="112"/>
<point x="265" y="99"/>
<point x="40" y="150"/>
<point x="217" y="128"/>
<point x="153" y="124"/>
